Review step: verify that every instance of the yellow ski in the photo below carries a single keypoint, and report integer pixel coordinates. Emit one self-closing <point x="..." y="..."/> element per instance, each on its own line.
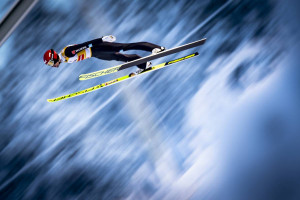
<point x="117" y="80"/>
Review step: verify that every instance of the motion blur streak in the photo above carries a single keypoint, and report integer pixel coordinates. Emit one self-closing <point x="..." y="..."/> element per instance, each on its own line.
<point x="60" y="140"/>
<point x="221" y="126"/>
<point x="204" y="22"/>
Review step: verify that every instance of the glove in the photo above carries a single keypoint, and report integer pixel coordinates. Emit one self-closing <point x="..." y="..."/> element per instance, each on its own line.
<point x="109" y="38"/>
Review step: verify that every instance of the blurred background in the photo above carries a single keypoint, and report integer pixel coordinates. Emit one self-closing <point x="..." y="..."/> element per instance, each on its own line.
<point x="224" y="125"/>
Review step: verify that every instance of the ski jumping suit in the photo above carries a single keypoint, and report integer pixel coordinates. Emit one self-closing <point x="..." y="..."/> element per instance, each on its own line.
<point x="105" y="51"/>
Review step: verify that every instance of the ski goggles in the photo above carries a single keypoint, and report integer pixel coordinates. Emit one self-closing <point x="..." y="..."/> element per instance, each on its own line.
<point x="52" y="61"/>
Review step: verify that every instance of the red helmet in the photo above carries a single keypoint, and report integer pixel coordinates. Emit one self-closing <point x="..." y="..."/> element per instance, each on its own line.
<point x="51" y="57"/>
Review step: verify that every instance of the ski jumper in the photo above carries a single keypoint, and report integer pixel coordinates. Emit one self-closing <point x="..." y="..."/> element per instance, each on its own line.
<point x="105" y="51"/>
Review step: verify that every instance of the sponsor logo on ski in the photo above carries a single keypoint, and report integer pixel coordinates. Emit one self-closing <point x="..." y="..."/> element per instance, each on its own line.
<point x="109" y="71"/>
<point x="111" y="82"/>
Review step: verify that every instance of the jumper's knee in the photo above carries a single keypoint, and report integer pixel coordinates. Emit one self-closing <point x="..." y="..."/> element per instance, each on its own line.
<point x="126" y="57"/>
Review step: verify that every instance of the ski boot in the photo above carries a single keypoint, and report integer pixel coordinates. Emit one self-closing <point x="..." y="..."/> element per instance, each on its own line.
<point x="139" y="70"/>
<point x="157" y="50"/>
<point x="109" y="38"/>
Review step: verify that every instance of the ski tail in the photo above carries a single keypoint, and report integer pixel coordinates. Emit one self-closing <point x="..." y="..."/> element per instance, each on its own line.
<point x="141" y="60"/>
<point x="123" y="78"/>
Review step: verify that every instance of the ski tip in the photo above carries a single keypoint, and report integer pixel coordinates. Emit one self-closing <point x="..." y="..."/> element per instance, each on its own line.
<point x="84" y="77"/>
<point x="81" y="77"/>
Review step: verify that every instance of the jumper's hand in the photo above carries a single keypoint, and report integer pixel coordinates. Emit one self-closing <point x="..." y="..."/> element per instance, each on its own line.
<point x="56" y="65"/>
<point x="109" y="38"/>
